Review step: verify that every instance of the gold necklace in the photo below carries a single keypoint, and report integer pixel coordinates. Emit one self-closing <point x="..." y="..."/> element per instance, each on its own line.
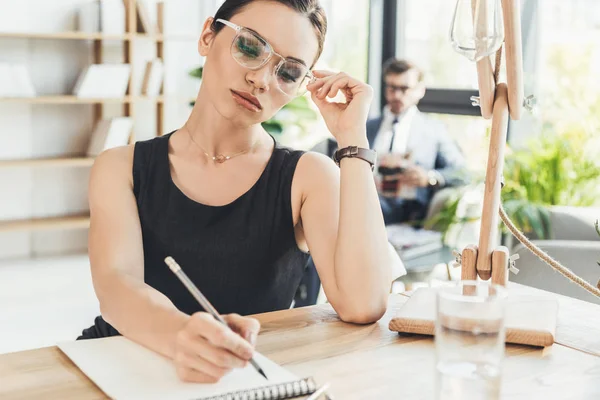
<point x="219" y="158"/>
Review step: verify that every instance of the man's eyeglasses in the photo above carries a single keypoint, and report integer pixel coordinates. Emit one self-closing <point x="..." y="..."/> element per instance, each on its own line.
<point x="252" y="51"/>
<point x="394" y="88"/>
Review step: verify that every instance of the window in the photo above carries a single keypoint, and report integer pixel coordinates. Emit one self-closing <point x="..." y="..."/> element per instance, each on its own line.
<point x="426" y="25"/>
<point x="567" y="65"/>
<point x="346" y="47"/>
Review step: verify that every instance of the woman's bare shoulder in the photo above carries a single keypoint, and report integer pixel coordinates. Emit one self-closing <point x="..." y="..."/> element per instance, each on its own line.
<point x="317" y="166"/>
<point x="314" y="171"/>
<point x="116" y="163"/>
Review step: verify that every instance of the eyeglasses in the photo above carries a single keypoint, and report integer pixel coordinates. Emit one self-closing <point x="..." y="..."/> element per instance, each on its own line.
<point x="393" y="88"/>
<point x="252" y="51"/>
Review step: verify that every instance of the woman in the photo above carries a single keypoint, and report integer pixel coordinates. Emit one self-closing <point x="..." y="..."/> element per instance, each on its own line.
<point x="235" y="209"/>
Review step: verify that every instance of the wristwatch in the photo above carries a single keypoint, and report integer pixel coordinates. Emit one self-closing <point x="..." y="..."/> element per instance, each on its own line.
<point x="367" y="155"/>
<point x="434" y="178"/>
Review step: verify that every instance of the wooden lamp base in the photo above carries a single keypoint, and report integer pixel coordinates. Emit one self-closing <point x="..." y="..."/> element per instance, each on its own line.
<point x="529" y="319"/>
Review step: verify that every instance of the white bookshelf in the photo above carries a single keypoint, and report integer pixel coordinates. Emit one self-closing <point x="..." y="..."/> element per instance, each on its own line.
<point x="130" y="39"/>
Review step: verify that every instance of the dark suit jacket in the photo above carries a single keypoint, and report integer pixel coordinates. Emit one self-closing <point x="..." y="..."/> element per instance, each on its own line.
<point x="431" y="148"/>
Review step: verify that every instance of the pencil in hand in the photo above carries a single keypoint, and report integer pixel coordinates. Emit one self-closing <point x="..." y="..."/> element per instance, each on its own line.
<point x="203" y="301"/>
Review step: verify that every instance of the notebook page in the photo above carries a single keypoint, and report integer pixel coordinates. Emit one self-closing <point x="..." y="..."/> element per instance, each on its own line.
<point x="123" y="369"/>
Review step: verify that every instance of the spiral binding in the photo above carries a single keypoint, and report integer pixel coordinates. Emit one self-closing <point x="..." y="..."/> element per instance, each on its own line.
<point x="274" y="392"/>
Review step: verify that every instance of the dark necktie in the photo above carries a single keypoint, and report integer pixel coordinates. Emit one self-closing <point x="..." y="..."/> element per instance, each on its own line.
<point x="394" y="122"/>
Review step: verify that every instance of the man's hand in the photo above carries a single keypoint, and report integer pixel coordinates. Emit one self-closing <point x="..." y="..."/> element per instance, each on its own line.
<point x="414" y="175"/>
<point x="392" y="160"/>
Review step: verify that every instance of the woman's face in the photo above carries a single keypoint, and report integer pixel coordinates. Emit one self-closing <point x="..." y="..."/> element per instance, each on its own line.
<point x="227" y="83"/>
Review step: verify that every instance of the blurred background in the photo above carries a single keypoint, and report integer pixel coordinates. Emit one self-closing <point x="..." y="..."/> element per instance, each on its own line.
<point x="53" y="107"/>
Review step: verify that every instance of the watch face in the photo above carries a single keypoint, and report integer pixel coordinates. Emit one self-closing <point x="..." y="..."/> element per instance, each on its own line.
<point x="432" y="179"/>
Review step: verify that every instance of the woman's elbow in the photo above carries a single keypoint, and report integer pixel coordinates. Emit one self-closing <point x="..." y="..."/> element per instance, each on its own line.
<point x="364" y="314"/>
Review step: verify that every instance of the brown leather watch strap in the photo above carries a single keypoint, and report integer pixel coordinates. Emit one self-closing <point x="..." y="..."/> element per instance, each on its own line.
<point x="367" y="155"/>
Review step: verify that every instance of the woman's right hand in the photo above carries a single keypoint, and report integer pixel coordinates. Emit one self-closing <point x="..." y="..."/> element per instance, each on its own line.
<point x="206" y="350"/>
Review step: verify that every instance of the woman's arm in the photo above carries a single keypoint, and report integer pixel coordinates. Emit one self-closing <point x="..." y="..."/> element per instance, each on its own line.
<point x="117" y="260"/>
<point x="203" y="349"/>
<point x="340" y="212"/>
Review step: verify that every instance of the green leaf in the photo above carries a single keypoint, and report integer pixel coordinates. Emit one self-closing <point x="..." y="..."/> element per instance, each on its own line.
<point x="273" y="127"/>
<point x="547" y="223"/>
<point x="533" y="215"/>
<point x="298" y="103"/>
<point x="196" y="72"/>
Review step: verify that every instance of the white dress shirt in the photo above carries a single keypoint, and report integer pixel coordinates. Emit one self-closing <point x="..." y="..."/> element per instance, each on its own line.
<point x="399" y="130"/>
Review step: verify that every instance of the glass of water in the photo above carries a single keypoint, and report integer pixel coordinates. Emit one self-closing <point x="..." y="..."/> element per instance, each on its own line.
<point x="469" y="340"/>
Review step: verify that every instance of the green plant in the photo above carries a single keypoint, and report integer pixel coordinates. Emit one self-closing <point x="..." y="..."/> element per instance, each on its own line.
<point x="196" y="72"/>
<point x="295" y="113"/>
<point x="449" y="214"/>
<point x="554" y="169"/>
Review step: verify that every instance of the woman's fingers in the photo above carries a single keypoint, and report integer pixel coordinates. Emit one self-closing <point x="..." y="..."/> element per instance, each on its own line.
<point x="197" y="369"/>
<point x="321" y="73"/>
<point x="200" y="347"/>
<point x="338" y="85"/>
<point x="246" y="327"/>
<point x="318" y="84"/>
<point x="222" y="336"/>
<point x="328" y="83"/>
<point x="192" y="376"/>
<point x="206" y="349"/>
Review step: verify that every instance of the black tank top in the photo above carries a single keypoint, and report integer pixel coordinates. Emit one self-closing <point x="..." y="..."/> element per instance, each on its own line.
<point x="243" y="256"/>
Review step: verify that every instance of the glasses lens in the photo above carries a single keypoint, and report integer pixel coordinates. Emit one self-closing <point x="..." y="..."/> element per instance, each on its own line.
<point x="394" y="88"/>
<point x="249" y="50"/>
<point x="292" y="78"/>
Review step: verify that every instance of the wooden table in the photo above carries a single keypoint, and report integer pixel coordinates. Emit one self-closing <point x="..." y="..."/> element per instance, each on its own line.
<point x="361" y="362"/>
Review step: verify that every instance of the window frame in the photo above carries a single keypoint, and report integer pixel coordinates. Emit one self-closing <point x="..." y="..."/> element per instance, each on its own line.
<point x="391" y="38"/>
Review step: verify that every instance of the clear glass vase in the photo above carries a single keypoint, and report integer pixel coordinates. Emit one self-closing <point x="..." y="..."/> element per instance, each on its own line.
<point x="477" y="28"/>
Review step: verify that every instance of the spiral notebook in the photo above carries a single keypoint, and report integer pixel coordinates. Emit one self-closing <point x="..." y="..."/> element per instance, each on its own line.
<point x="125" y="370"/>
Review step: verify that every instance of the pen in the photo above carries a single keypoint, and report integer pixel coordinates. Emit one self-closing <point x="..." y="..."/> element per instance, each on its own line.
<point x="194" y="291"/>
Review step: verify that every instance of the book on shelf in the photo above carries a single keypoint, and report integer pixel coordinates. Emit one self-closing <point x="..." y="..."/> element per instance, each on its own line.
<point x="153" y="78"/>
<point x="103" y="81"/>
<point x="15" y="81"/>
<point x="110" y="133"/>
<point x="144" y="23"/>
<point x="106" y="16"/>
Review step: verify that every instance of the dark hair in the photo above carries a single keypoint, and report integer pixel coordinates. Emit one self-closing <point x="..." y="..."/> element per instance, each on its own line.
<point x="395" y="66"/>
<point x="312" y="9"/>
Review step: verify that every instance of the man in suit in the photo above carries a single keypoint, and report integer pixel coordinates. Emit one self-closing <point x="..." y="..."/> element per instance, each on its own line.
<point x="404" y="137"/>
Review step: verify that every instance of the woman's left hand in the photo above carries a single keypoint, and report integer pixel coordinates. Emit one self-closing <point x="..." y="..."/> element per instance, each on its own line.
<point x="346" y="121"/>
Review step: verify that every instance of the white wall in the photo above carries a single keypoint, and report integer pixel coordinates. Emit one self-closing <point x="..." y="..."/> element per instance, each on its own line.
<point x="34" y="131"/>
